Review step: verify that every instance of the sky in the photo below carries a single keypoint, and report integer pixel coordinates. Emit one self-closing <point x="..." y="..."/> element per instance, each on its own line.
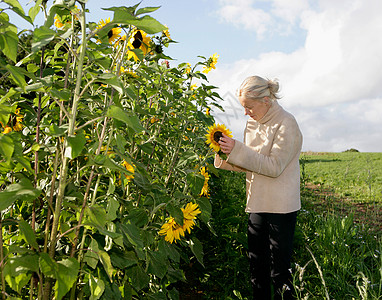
<point x="325" y="54"/>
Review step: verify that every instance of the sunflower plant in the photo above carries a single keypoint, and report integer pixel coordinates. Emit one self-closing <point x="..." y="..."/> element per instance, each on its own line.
<point x="93" y="190"/>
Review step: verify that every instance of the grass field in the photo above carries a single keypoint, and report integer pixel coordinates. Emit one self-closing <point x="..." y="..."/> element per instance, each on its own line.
<point x="345" y="183"/>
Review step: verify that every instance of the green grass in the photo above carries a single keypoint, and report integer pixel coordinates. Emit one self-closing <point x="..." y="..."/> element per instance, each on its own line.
<point x="353" y="175"/>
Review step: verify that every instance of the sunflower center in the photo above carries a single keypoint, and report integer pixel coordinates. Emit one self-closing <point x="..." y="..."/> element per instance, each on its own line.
<point x="217" y="136"/>
<point x="110" y="34"/>
<point x="137" y="40"/>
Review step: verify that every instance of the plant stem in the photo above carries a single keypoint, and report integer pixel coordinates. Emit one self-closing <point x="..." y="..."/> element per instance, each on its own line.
<point x="65" y="160"/>
<point x="2" y="257"/>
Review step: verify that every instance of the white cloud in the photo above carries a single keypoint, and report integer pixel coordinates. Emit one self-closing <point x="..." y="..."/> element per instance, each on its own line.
<point x="242" y="14"/>
<point x="289" y="10"/>
<point x="332" y="83"/>
<point x="262" y="16"/>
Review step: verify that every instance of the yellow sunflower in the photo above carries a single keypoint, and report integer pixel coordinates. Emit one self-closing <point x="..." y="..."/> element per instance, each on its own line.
<point x="214" y="133"/>
<point x="129" y="168"/>
<point x="138" y="40"/>
<point x="7" y="129"/>
<point x="113" y="34"/>
<point x="57" y="22"/>
<point x="18" y="126"/>
<point x="208" y="113"/>
<point x="205" y="188"/>
<point x="166" y="33"/>
<point x="188" y="68"/>
<point x="173" y="231"/>
<point x="191" y="211"/>
<point x="211" y="63"/>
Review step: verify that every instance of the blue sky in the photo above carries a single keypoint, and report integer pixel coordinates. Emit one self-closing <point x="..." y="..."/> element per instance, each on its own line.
<point x="325" y="53"/>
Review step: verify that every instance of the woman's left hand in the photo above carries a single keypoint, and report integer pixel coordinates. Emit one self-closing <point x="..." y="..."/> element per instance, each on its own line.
<point x="226" y="144"/>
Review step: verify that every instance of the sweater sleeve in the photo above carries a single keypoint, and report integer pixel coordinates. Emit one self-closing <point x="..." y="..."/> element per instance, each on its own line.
<point x="222" y="164"/>
<point x="286" y="144"/>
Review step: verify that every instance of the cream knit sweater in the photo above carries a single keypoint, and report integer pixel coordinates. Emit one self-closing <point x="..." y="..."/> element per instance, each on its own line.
<point x="270" y="157"/>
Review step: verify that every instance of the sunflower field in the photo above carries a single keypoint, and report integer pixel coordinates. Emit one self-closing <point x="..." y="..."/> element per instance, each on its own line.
<point x="103" y="160"/>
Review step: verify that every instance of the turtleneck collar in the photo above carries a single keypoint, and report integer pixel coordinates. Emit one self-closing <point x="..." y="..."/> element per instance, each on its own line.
<point x="272" y="111"/>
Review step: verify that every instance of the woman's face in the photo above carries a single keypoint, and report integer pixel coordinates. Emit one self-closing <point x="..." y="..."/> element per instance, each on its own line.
<point x="256" y="109"/>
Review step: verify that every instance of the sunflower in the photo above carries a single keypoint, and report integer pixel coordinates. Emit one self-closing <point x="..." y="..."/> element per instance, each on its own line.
<point x="129" y="168"/>
<point x="211" y="63"/>
<point x="206" y="178"/>
<point x="188" y="68"/>
<point x="214" y="133"/>
<point x="191" y="211"/>
<point x="7" y="129"/>
<point x="57" y="22"/>
<point x="18" y="126"/>
<point x="166" y="33"/>
<point x="138" y="40"/>
<point x="113" y="34"/>
<point x="173" y="231"/>
<point x="208" y="113"/>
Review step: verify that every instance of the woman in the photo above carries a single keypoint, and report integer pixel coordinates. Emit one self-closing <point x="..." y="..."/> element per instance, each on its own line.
<point x="270" y="157"/>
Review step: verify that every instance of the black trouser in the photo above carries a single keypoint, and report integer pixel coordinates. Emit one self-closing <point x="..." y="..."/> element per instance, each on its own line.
<point x="270" y="241"/>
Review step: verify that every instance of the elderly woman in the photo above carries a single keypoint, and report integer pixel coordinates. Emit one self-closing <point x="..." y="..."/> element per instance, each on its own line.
<point x="270" y="157"/>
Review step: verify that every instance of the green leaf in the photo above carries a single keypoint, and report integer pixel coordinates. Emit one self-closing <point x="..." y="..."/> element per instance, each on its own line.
<point x="106" y="262"/>
<point x="91" y="256"/>
<point x="34" y="10"/>
<point x="22" y="191"/>
<point x="5" y="112"/>
<point x="41" y="37"/>
<point x="169" y="250"/>
<point x="112" y="292"/>
<point x="8" y="44"/>
<point x="132" y="233"/>
<point x="148" y="24"/>
<point x="186" y="158"/>
<point x="142" y="181"/>
<point x="139" y="278"/>
<point x="47" y="265"/>
<point x="197" y="248"/>
<point x="176" y="213"/>
<point x="105" y="161"/>
<point x="66" y="277"/>
<point x="75" y="145"/>
<point x="195" y="182"/>
<point x="205" y="207"/>
<point x="8" y="95"/>
<point x="6" y="146"/>
<point x="112" y="209"/>
<point x="61" y="94"/>
<point x="17" y="75"/>
<point x="54" y="130"/>
<point x="123" y="259"/>
<point x="97" y="287"/>
<point x="138" y="216"/>
<point x="25" y="162"/>
<point x="122" y="13"/>
<point x="146" y="10"/>
<point x="113" y="80"/>
<point x="96" y="216"/>
<point x="158" y="264"/>
<point x="18" y="9"/>
<point x="29" y="236"/>
<point x="18" y="270"/>
<point x="129" y="119"/>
